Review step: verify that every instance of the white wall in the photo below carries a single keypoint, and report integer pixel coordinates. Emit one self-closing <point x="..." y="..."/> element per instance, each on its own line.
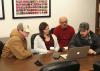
<point x="76" y="10"/>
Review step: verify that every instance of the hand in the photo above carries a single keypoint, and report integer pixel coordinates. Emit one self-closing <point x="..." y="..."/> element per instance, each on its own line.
<point x="50" y="51"/>
<point x="91" y="51"/>
<point x="65" y="49"/>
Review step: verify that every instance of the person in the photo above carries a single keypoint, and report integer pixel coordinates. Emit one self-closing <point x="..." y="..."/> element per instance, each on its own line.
<point x="1" y="47"/>
<point x="16" y="45"/>
<point x="45" y="42"/>
<point x="64" y="33"/>
<point x="85" y="37"/>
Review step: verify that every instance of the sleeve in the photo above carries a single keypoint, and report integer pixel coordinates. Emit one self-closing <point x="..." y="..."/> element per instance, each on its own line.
<point x="56" y="45"/>
<point x="97" y="43"/>
<point x="72" y="43"/>
<point x="56" y="32"/>
<point x="39" y="46"/>
<point x="72" y="33"/>
<point x="18" y="49"/>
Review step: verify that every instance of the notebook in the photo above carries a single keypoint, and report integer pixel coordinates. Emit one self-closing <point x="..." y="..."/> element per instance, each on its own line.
<point x="76" y="52"/>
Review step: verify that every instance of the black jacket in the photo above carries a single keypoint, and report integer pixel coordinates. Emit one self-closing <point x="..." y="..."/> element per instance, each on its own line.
<point x="92" y="41"/>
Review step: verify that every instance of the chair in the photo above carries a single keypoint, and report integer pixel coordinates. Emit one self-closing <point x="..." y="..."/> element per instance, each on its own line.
<point x="52" y="30"/>
<point x="1" y="47"/>
<point x="96" y="66"/>
<point x="62" y="66"/>
<point x="32" y="40"/>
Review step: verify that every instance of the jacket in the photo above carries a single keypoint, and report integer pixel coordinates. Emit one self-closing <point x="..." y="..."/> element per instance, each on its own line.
<point x="40" y="47"/>
<point x="15" y="46"/>
<point x="78" y="41"/>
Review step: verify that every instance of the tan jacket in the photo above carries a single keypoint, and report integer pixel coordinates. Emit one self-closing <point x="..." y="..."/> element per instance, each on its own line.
<point x="15" y="46"/>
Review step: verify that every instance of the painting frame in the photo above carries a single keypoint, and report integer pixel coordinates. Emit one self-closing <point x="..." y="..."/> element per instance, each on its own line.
<point x="2" y="15"/>
<point x="31" y="9"/>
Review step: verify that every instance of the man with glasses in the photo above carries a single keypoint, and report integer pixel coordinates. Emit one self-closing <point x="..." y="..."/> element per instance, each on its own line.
<point x="64" y="33"/>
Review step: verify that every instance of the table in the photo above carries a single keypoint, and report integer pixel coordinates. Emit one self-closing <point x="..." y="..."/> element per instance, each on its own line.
<point x="28" y="64"/>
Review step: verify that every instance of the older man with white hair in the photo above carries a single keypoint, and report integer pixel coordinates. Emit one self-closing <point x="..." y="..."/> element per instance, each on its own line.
<point x="64" y="33"/>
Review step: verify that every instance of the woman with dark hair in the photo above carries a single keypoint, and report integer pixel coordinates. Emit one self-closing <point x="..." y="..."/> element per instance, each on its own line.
<point x="45" y="42"/>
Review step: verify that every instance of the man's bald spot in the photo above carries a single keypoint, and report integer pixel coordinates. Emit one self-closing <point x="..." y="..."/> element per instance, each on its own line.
<point x="62" y="19"/>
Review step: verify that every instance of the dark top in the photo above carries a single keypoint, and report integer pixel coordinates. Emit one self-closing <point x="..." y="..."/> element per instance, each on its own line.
<point x="92" y="41"/>
<point x="49" y="44"/>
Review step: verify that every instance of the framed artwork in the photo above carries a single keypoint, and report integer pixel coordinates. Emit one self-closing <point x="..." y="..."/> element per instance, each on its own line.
<point x="2" y="16"/>
<point x="31" y="8"/>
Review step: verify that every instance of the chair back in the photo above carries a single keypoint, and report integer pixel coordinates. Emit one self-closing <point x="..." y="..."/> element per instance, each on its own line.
<point x="1" y="47"/>
<point x="62" y="66"/>
<point x="32" y="39"/>
<point x="96" y="66"/>
<point x="52" y="30"/>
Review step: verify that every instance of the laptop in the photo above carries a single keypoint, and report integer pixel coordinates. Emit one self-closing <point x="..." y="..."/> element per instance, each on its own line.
<point x="76" y="52"/>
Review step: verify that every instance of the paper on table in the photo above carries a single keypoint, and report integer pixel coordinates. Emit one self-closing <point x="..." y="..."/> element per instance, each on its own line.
<point x="64" y="56"/>
<point x="66" y="48"/>
<point x="51" y="48"/>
